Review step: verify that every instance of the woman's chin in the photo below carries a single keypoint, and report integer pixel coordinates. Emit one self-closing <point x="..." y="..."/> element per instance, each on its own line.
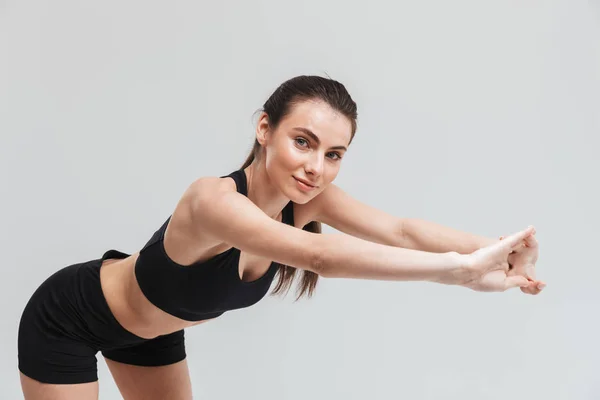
<point x="300" y="197"/>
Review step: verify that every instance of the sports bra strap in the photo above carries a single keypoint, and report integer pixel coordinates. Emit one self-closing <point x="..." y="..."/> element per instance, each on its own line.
<point x="241" y="181"/>
<point x="158" y="235"/>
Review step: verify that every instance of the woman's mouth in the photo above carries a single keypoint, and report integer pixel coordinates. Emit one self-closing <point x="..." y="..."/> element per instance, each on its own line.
<point x="304" y="185"/>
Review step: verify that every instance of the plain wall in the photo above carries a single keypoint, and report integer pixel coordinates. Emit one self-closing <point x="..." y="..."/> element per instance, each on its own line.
<point x="480" y="115"/>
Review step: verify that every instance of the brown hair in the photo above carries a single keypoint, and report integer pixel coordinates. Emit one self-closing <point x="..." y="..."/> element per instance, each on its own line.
<point x="277" y="107"/>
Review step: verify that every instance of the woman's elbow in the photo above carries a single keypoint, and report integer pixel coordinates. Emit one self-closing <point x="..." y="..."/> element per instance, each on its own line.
<point x="318" y="261"/>
<point x="317" y="264"/>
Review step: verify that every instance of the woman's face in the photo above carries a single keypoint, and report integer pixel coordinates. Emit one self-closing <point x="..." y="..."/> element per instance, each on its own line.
<point x="303" y="155"/>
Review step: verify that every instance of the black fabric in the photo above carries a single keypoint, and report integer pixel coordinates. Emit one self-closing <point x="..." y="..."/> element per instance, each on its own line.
<point x="67" y="321"/>
<point x="202" y="290"/>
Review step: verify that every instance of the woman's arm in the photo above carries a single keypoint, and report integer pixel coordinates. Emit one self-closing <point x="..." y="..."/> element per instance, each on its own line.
<point x="336" y="208"/>
<point x="429" y="236"/>
<point x="232" y="218"/>
<point x="341" y="211"/>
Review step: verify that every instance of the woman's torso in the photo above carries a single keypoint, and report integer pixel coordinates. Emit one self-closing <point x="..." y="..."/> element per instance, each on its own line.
<point x="183" y="245"/>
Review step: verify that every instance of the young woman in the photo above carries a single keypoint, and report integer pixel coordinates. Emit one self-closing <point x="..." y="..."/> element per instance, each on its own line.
<point x="222" y="247"/>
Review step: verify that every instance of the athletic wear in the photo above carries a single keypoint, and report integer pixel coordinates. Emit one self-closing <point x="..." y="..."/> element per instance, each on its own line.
<point x="202" y="290"/>
<point x="67" y="321"/>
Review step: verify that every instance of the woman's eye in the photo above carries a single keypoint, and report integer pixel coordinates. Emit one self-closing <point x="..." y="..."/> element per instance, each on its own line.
<point x="334" y="156"/>
<point x="301" y="142"/>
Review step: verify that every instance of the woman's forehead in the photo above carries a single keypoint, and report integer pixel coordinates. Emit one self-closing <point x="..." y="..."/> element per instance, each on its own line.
<point x="318" y="117"/>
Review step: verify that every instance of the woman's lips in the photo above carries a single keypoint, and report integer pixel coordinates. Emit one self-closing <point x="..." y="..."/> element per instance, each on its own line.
<point x="304" y="185"/>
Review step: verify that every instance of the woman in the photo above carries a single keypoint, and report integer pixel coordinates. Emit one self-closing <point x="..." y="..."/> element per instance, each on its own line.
<point x="224" y="244"/>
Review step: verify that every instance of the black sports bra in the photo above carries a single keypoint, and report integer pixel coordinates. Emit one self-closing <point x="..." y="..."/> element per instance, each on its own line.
<point x="205" y="289"/>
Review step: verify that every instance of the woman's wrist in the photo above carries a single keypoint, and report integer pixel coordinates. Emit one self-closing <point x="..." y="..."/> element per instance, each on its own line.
<point x="458" y="272"/>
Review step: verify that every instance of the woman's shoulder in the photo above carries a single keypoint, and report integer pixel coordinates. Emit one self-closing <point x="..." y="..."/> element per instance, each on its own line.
<point x="210" y="186"/>
<point x="202" y="196"/>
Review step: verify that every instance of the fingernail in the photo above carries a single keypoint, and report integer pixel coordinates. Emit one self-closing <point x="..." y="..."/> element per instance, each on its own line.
<point x="541" y="286"/>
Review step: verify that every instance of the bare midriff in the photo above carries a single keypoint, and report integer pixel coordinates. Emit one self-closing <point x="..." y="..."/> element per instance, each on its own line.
<point x="129" y="305"/>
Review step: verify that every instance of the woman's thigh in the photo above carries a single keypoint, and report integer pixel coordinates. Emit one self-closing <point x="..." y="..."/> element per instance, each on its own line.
<point x="34" y="390"/>
<point x="148" y="383"/>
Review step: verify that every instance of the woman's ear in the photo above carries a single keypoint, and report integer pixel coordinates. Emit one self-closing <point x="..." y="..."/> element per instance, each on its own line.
<point x="262" y="129"/>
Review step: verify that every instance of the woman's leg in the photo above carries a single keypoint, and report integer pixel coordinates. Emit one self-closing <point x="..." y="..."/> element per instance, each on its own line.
<point x="34" y="390"/>
<point x="148" y="383"/>
<point x="154" y="369"/>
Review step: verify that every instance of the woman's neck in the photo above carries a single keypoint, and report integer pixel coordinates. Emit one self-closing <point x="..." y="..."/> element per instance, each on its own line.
<point x="262" y="191"/>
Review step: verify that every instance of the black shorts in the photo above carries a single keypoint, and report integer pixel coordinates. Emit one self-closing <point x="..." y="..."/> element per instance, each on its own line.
<point x="67" y="321"/>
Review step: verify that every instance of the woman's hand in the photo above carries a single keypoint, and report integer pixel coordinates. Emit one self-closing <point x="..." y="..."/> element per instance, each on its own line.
<point x="523" y="264"/>
<point x="488" y="269"/>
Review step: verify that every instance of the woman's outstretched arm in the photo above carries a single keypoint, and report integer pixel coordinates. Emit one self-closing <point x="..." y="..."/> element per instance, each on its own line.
<point x="430" y="236"/>
<point x="341" y="211"/>
<point x="232" y="218"/>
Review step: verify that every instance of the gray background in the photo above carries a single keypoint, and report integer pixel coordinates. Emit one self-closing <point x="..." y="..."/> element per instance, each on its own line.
<point x="479" y="115"/>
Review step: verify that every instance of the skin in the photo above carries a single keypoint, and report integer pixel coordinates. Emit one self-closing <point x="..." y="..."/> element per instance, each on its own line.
<point x="307" y="146"/>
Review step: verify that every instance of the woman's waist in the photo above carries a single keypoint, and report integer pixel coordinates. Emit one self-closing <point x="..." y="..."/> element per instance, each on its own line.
<point x="131" y="307"/>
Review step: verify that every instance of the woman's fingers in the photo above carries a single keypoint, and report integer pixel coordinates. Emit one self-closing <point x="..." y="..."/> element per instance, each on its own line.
<point x="515" y="281"/>
<point x="522" y="244"/>
<point x="515" y="240"/>
<point x="534" y="287"/>
<point x="530" y="272"/>
<point x="531" y="241"/>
